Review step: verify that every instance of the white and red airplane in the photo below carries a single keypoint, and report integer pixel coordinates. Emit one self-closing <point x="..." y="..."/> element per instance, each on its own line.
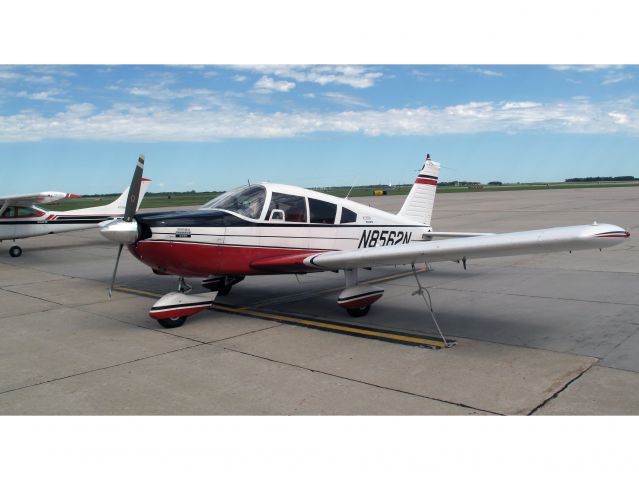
<point x="21" y="218"/>
<point x="268" y="229"/>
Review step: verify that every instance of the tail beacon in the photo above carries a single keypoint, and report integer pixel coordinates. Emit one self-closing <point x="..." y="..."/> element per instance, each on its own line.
<point x="421" y="199"/>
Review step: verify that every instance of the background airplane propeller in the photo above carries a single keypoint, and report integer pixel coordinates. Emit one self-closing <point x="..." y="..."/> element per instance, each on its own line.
<point x="125" y="230"/>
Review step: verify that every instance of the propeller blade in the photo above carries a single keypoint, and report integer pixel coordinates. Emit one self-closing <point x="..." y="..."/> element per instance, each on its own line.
<point x="115" y="271"/>
<point x="134" y="191"/>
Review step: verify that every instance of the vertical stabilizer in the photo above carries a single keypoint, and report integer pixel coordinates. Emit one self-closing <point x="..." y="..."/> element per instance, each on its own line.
<point x="421" y="199"/>
<point x="120" y="203"/>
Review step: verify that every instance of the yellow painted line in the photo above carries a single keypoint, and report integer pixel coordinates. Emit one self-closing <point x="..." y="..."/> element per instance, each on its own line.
<point x="143" y="293"/>
<point x="302" y="296"/>
<point x="331" y="326"/>
<point x="310" y="323"/>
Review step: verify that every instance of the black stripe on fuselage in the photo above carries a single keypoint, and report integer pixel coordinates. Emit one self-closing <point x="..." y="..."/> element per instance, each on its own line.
<point x="259" y="236"/>
<point x="217" y="218"/>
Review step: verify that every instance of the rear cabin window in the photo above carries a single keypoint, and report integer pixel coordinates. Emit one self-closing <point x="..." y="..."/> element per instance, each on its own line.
<point x="322" y="212"/>
<point x="26" y="212"/>
<point x="348" y="216"/>
<point x="294" y="207"/>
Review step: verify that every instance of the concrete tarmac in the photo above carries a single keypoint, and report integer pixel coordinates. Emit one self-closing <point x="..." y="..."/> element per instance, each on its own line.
<point x="555" y="334"/>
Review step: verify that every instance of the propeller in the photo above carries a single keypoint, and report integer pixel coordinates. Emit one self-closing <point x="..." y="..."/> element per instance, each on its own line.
<point x="125" y="230"/>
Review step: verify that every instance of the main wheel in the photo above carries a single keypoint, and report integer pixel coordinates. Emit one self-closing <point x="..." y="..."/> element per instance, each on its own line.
<point x="175" y="322"/>
<point x="359" y="312"/>
<point x="15" y="251"/>
<point x="224" y="291"/>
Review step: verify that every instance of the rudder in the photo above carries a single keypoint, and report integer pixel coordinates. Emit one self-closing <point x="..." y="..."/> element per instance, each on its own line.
<point x="421" y="199"/>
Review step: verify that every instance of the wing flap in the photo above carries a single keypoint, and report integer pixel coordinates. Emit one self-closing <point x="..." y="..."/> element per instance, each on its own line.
<point x="550" y="240"/>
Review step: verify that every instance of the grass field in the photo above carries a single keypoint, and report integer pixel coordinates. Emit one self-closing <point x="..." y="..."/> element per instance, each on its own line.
<point x="163" y="200"/>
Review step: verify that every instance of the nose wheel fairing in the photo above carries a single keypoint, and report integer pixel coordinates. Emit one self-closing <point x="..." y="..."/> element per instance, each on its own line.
<point x="179" y="305"/>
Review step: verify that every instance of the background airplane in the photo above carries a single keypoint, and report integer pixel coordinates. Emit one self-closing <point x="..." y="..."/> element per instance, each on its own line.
<point x="268" y="229"/>
<point x="21" y="218"/>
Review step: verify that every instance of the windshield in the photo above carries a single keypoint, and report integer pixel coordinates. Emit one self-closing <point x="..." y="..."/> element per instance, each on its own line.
<point x="247" y="201"/>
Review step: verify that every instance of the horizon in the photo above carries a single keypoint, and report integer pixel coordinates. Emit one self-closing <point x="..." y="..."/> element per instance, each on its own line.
<point x="212" y="127"/>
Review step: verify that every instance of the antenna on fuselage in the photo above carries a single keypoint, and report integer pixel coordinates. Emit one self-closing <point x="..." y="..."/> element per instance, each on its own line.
<point x="350" y="191"/>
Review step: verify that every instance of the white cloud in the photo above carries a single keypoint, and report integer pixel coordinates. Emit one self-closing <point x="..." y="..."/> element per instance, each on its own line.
<point x="511" y="105"/>
<point x="267" y="85"/>
<point x="46" y="95"/>
<point x="239" y="78"/>
<point x="162" y="92"/>
<point x="162" y="123"/>
<point x="347" y="100"/>
<point x="616" y="78"/>
<point x="355" y="76"/>
<point x="619" y="118"/>
<point x="584" y="68"/>
<point x="487" y="73"/>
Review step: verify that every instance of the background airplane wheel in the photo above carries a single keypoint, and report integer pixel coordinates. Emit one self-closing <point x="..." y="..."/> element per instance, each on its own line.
<point x="175" y="322"/>
<point x="359" y="312"/>
<point x="223" y="292"/>
<point x="15" y="251"/>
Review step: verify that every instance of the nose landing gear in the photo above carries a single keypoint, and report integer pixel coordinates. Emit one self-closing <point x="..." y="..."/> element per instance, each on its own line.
<point x="15" y="251"/>
<point x="221" y="285"/>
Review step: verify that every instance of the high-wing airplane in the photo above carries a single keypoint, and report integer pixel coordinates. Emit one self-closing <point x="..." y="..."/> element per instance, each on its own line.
<point x="269" y="229"/>
<point x="21" y="218"/>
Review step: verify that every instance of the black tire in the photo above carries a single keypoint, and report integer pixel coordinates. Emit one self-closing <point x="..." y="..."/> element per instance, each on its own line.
<point x="15" y="251"/>
<point x="175" y="322"/>
<point x="224" y="291"/>
<point x="359" y="312"/>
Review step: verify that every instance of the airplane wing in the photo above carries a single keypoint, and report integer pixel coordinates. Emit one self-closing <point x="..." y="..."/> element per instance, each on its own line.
<point x="35" y="198"/>
<point x="549" y="240"/>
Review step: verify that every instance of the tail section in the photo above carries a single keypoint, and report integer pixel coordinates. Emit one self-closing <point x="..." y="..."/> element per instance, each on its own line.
<point x="117" y="208"/>
<point x="421" y="199"/>
<point x="120" y="203"/>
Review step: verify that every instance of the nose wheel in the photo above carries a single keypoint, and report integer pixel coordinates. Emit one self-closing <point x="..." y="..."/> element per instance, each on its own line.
<point x="15" y="251"/>
<point x="175" y="322"/>
<point x="359" y="312"/>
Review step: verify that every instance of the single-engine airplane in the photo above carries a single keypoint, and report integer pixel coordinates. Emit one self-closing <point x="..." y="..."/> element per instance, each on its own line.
<point x="268" y="229"/>
<point x="21" y="218"/>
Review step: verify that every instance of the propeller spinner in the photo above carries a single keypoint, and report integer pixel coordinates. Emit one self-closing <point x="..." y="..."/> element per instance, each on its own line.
<point x="125" y="231"/>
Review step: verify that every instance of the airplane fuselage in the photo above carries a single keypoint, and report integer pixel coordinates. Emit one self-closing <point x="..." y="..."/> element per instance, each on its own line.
<point x="38" y="222"/>
<point x="208" y="242"/>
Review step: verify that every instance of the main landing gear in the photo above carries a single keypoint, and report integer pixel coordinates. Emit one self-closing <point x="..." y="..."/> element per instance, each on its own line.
<point x="15" y="251"/>
<point x="357" y="299"/>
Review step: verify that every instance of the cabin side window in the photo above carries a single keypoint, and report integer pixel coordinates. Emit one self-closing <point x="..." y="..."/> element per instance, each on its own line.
<point x="26" y="212"/>
<point x="348" y="216"/>
<point x="322" y="212"/>
<point x="9" y="212"/>
<point x="294" y="208"/>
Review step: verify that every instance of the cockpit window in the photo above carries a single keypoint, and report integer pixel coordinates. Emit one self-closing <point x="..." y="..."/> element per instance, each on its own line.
<point x="20" y="212"/>
<point x="294" y="207"/>
<point x="247" y="201"/>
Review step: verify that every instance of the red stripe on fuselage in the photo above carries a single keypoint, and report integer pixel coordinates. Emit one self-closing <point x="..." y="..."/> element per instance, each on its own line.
<point x="201" y="260"/>
<point x="426" y="181"/>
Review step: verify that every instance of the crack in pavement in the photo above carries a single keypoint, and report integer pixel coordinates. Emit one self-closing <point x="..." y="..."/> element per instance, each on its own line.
<point x="559" y="392"/>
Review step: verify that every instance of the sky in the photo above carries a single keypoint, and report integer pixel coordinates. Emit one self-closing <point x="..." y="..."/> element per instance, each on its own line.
<point x="79" y="128"/>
